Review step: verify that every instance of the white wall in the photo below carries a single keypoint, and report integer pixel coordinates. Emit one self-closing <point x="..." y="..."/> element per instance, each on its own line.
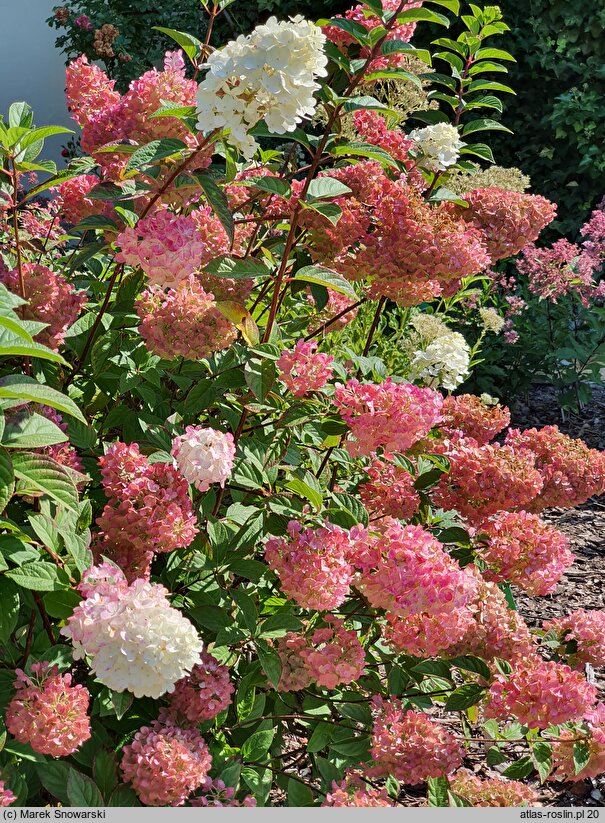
<point x="32" y="69"/>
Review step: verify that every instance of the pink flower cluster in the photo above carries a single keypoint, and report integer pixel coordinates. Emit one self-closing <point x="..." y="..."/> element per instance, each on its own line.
<point x="149" y="509"/>
<point x="372" y="128"/>
<point x="333" y="655"/>
<point x="166" y="246"/>
<point x="486" y="479"/>
<point x="405" y="570"/>
<point x="563" y="751"/>
<point x="571" y="472"/>
<point x="389" y="491"/>
<point x="495" y="631"/>
<point x="204" y="456"/>
<point x="165" y="763"/>
<point x="409" y="745"/>
<point x="410" y="250"/>
<point x="470" y="416"/>
<point x="507" y="220"/>
<point x="354" y="791"/>
<point x="313" y="565"/>
<point x="425" y="634"/>
<point x="594" y="232"/>
<point x="585" y="631"/>
<point x="491" y="791"/>
<point x="48" y="712"/>
<point x="107" y="117"/>
<point x="391" y="415"/>
<point x="51" y="300"/>
<point x="204" y="693"/>
<point x="294" y="673"/>
<point x="6" y="796"/>
<point x="364" y="16"/>
<point x="183" y="322"/>
<point x="539" y="694"/>
<point x="524" y="550"/>
<point x="304" y="369"/>
<point x="558" y="271"/>
<point x="75" y="202"/>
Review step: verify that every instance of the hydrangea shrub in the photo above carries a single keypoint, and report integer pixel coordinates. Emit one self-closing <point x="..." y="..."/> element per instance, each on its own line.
<point x="254" y="550"/>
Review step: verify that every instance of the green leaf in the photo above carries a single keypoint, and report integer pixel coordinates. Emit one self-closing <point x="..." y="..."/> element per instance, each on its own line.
<point x="7" y="479"/>
<point x="41" y="134"/>
<point x="20" y="387"/>
<point x="12" y="344"/>
<point x="484" y="124"/>
<point x="259" y="376"/>
<point x="438" y="794"/>
<point x="53" y="775"/>
<point x="226" y="266"/>
<point x="45" y="475"/>
<point x="270" y="661"/>
<point x="299" y="794"/>
<point x="39" y="576"/>
<point x="105" y="772"/>
<point x="581" y="756"/>
<point x="20" y="115"/>
<point x="322" y="735"/>
<point x="9" y="613"/>
<point x="493" y="54"/>
<point x="471" y="664"/>
<point x="156" y="150"/>
<point x="257" y="745"/>
<point x="323" y="187"/>
<point x="356" y="30"/>
<point x="541" y="755"/>
<point x="60" y="604"/>
<point x="192" y="47"/>
<point x="273" y="185"/>
<point x="82" y="790"/>
<point x="422" y="15"/>
<point x="464" y="697"/>
<point x="331" y="211"/>
<point x="328" y="278"/>
<point x="123" y="796"/>
<point x="218" y="201"/>
<point x="520" y="769"/>
<point x="308" y="488"/>
<point x="480" y="150"/>
<point x="15" y="325"/>
<point x="370" y="151"/>
<point x="31" y="432"/>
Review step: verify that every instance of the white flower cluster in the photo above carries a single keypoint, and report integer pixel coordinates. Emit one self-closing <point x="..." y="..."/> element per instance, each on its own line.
<point x="267" y="75"/>
<point x="445" y="362"/>
<point x="204" y="456"/>
<point x="135" y="639"/>
<point x="440" y="145"/>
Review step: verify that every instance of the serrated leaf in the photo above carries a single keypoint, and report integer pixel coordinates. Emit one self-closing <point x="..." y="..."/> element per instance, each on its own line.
<point x="39" y="576"/>
<point x="241" y="319"/>
<point x="238" y="269"/>
<point x="154" y="151"/>
<point x="31" y="431"/>
<point x="21" y="387"/>
<point x="257" y="745"/>
<point x="123" y="796"/>
<point x="7" y="479"/>
<point x="270" y="662"/>
<point x="471" y="664"/>
<point x="331" y="211"/>
<point x="520" y="769"/>
<point x="45" y="475"/>
<point x="82" y="790"/>
<point x="105" y="772"/>
<point x="273" y="185"/>
<point x="259" y="376"/>
<point x="192" y="47"/>
<point x="328" y="278"/>
<point x="581" y="756"/>
<point x="9" y="613"/>
<point x="485" y="124"/>
<point x="12" y="344"/>
<point x="438" y="791"/>
<point x="299" y="794"/>
<point x="305" y="488"/>
<point x="53" y="776"/>
<point x="462" y="698"/>
<point x="323" y="187"/>
<point x="60" y="604"/>
<point x="218" y="202"/>
<point x="541" y="755"/>
<point x="422" y="15"/>
<point x="368" y="150"/>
